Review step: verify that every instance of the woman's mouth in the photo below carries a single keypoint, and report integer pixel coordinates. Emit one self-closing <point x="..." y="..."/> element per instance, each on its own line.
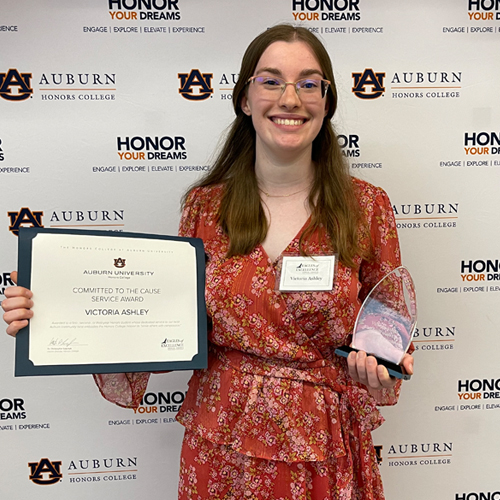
<point x="287" y="121"/>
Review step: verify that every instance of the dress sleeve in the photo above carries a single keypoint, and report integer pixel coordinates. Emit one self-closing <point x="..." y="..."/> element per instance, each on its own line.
<point x="191" y="212"/>
<point x="385" y="257"/>
<point x="123" y="389"/>
<point x="386" y="254"/>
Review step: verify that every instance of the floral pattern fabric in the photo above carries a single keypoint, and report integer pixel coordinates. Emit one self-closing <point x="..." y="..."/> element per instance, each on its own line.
<point x="275" y="399"/>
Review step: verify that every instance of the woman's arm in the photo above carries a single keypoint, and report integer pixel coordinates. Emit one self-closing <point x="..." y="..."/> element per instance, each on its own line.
<point x="385" y="257"/>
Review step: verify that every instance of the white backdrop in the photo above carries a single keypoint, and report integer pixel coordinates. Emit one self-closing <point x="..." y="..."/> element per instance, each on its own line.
<point x="419" y="116"/>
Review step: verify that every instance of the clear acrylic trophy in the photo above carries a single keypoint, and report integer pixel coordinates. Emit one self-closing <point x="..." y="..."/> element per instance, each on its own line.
<point x="386" y="322"/>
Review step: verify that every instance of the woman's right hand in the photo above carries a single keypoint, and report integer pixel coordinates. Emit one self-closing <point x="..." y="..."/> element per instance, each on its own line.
<point x="17" y="306"/>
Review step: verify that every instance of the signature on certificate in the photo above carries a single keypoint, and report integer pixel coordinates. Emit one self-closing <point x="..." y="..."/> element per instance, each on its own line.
<point x="56" y="342"/>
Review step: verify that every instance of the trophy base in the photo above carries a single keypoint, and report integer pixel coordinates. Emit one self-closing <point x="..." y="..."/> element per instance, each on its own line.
<point x="394" y="370"/>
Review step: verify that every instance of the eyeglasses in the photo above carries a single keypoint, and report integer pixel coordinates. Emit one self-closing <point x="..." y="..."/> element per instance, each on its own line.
<point x="307" y="89"/>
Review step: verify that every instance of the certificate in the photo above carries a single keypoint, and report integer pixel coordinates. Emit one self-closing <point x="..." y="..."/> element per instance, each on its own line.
<point x="110" y="302"/>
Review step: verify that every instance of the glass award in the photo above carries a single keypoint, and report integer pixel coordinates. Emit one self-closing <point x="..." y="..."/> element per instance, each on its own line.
<point x="386" y="322"/>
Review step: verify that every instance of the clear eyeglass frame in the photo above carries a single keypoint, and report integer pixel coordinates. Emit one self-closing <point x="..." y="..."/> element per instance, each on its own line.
<point x="311" y="87"/>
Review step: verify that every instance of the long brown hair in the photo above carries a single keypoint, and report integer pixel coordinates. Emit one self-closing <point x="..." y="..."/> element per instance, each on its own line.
<point x="332" y="199"/>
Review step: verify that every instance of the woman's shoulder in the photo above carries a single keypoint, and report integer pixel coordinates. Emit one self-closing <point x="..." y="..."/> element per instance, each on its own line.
<point x="201" y="207"/>
<point x="373" y="200"/>
<point x="205" y="192"/>
<point x="204" y="196"/>
<point x="367" y="193"/>
<point x="364" y="188"/>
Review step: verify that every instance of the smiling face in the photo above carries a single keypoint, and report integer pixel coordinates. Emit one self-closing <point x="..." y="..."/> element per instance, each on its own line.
<point x="283" y="123"/>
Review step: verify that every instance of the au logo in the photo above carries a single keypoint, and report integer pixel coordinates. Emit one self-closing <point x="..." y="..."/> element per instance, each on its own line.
<point x="45" y="471"/>
<point x="368" y="79"/>
<point x="119" y="262"/>
<point x="24" y="218"/>
<point x="378" y="453"/>
<point x="15" y="80"/>
<point x="195" y="79"/>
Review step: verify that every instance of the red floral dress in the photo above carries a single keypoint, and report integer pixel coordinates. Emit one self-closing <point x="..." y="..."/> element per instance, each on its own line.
<point x="275" y="415"/>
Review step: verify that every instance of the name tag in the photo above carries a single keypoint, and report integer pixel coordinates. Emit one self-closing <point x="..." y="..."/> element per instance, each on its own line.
<point x="307" y="274"/>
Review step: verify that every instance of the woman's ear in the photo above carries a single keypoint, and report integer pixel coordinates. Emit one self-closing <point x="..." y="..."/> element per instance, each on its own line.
<point x="245" y="107"/>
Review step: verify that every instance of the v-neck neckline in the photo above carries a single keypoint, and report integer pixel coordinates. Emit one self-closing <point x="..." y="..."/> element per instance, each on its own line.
<point x="292" y="241"/>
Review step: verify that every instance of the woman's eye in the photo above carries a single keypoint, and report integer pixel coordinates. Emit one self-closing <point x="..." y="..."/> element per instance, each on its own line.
<point x="308" y="84"/>
<point x="272" y="82"/>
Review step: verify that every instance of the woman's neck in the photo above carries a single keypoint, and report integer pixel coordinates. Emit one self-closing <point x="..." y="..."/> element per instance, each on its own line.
<point x="282" y="176"/>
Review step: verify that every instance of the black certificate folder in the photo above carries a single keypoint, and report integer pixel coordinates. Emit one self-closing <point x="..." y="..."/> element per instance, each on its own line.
<point x="111" y="302"/>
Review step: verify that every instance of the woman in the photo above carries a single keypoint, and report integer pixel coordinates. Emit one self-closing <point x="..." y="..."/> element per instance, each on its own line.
<point x="277" y="415"/>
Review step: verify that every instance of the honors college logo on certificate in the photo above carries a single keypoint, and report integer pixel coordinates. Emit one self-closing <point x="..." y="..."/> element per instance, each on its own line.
<point x="119" y="262"/>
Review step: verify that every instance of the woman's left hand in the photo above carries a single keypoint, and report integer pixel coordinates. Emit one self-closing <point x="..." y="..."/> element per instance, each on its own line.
<point x="365" y="370"/>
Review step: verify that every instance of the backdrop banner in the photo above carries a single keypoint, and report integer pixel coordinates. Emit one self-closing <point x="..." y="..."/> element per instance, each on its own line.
<point x="110" y="109"/>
